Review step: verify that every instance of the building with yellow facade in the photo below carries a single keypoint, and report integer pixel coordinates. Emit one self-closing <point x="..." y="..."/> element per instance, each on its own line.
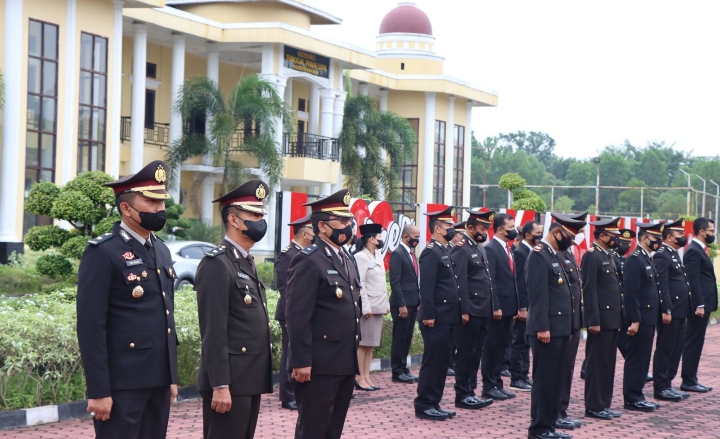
<point x="89" y="85"/>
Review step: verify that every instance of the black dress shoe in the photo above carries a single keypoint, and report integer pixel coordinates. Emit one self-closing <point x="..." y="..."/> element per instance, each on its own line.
<point x="648" y="378"/>
<point x="431" y="414"/>
<point x="684" y="395"/>
<point x="292" y="405"/>
<point x="508" y="393"/>
<point x="602" y="414"/>
<point x="564" y="424"/>
<point x="450" y="413"/>
<point x="668" y="395"/>
<point x="505" y="373"/>
<point x="576" y="422"/>
<point x="562" y="435"/>
<point x="615" y="414"/>
<point x="708" y="388"/>
<point x="520" y="386"/>
<point x="367" y="389"/>
<point x="640" y="406"/>
<point x="376" y="387"/>
<point x="469" y="403"/>
<point x="548" y="435"/>
<point x="410" y="375"/>
<point x="529" y="381"/>
<point x="404" y="379"/>
<point x="450" y="372"/>
<point x="694" y="388"/>
<point x="494" y="394"/>
<point x="483" y="402"/>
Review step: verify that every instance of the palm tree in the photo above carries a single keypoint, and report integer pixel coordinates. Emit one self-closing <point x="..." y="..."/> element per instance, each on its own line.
<point x="244" y="122"/>
<point x="366" y="132"/>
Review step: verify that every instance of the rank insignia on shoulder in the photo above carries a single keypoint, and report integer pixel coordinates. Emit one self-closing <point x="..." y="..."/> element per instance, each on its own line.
<point x="431" y="245"/>
<point x="216" y="251"/>
<point x="461" y="243"/>
<point x="309" y="250"/>
<point x="538" y="248"/>
<point x="591" y="249"/>
<point x="285" y="249"/>
<point x="100" y="239"/>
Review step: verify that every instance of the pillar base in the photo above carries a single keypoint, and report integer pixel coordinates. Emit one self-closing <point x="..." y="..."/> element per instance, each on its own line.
<point x="7" y="248"/>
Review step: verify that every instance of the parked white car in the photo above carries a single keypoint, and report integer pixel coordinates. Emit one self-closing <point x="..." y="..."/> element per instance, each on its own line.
<point x="186" y="256"/>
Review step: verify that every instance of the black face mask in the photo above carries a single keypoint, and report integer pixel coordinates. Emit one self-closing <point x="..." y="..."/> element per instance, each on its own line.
<point x="511" y="234"/>
<point x="255" y="229"/>
<point x="449" y="234"/>
<point x="623" y="249"/>
<point x="614" y="242"/>
<point x="380" y="243"/>
<point x="709" y="239"/>
<point x="340" y="236"/>
<point x="564" y="243"/>
<point x="413" y="242"/>
<point x="681" y="241"/>
<point x="480" y="238"/>
<point x="154" y="221"/>
<point x="654" y="245"/>
<point x="536" y="239"/>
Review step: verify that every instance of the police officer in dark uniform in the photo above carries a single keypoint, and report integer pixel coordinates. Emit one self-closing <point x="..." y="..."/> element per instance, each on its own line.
<point x="459" y="229"/>
<point x="549" y="325"/>
<point x="322" y="317"/>
<point x="642" y="304"/>
<point x="603" y="310"/>
<point x="303" y="237"/>
<point x="439" y="314"/>
<point x="572" y="271"/>
<point x="125" y="320"/>
<point x="676" y="308"/>
<point x="473" y="276"/>
<point x="236" y="356"/>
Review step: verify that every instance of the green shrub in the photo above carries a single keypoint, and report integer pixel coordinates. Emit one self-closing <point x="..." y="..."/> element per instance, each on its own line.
<point x="41" y="238"/>
<point x="74" y="247"/>
<point x="41" y="197"/>
<point x="15" y="280"/>
<point x="54" y="265"/>
<point x="199" y="231"/>
<point x="266" y="271"/>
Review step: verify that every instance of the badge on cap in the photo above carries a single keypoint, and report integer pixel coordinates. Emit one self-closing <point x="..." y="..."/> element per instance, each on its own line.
<point x="626" y="234"/>
<point x="338" y="291"/>
<point x="160" y="175"/>
<point x="138" y="292"/>
<point x="128" y="256"/>
<point x="260" y="192"/>
<point x="346" y="199"/>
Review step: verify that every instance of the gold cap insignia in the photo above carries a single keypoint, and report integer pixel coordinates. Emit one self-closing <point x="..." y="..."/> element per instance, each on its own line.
<point x="160" y="175"/>
<point x="138" y="292"/>
<point x="662" y="228"/>
<point x="682" y="224"/>
<point x="490" y="218"/>
<point x="260" y="192"/>
<point x="626" y="235"/>
<point x="346" y="199"/>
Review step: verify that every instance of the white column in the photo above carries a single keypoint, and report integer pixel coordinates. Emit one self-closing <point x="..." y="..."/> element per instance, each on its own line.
<point x="384" y="99"/>
<point x="116" y="90"/>
<point x="289" y="93"/>
<point x="212" y="73"/>
<point x="338" y="113"/>
<point x="10" y="190"/>
<point x="208" y="194"/>
<point x="70" y="109"/>
<point x="178" y="76"/>
<point x="314" y="110"/>
<point x="363" y="88"/>
<point x="428" y="149"/>
<point x="450" y="152"/>
<point x="467" y="155"/>
<point x="137" y="131"/>
<point x="383" y="154"/>
<point x="327" y="102"/>
<point x="326" y="189"/>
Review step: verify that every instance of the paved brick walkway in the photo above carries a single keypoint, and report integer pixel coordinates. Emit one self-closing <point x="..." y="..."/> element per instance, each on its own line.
<point x="388" y="413"/>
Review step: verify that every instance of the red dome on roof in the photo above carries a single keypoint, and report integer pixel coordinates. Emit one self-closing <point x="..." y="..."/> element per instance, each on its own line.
<point x="406" y="18"/>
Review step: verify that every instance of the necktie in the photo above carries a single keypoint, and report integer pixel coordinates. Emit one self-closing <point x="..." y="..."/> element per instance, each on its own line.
<point x="251" y="261"/>
<point x="343" y="262"/>
<point x="707" y="252"/>
<point x="414" y="261"/>
<point x="510" y="259"/>
<point x="150" y="249"/>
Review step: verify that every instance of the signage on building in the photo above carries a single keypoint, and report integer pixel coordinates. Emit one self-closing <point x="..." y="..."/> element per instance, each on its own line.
<point x="307" y="62"/>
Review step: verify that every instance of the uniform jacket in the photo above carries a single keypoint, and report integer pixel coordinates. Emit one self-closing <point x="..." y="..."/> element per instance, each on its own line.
<point x="323" y="311"/>
<point x="674" y="285"/>
<point x="372" y="282"/>
<point x="473" y="274"/>
<point x="439" y="297"/>
<point x="572" y="271"/>
<point x="403" y="280"/>
<point x="602" y="293"/>
<point x="234" y="324"/>
<point x="549" y="294"/>
<point x="282" y="263"/>
<point x="701" y="274"/>
<point x="521" y="254"/>
<point x="619" y="266"/>
<point x="502" y="278"/>
<point x="126" y="342"/>
<point x="642" y="294"/>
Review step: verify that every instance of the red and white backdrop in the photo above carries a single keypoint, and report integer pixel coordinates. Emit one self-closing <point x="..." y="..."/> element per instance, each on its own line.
<point x="380" y="212"/>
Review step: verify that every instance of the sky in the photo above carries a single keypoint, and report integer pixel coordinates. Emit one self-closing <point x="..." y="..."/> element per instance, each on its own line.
<point x="588" y="73"/>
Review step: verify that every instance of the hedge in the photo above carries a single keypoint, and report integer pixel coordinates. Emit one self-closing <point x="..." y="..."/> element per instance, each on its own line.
<point x="40" y="360"/>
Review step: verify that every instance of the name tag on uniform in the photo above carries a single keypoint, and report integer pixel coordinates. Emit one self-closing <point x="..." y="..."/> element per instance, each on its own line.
<point x="567" y="261"/>
<point x="647" y="267"/>
<point x="243" y="276"/>
<point x="446" y="257"/>
<point x="133" y="262"/>
<point x="674" y="260"/>
<point x="332" y="272"/>
<point x="474" y="255"/>
<point x="555" y="264"/>
<point x="606" y="263"/>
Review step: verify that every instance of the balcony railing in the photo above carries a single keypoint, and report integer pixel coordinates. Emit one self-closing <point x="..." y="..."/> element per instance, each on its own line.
<point x="158" y="135"/>
<point x="311" y="146"/>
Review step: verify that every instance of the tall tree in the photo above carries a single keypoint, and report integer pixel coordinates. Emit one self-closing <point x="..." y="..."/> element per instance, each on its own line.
<point x="541" y="145"/>
<point x="366" y="132"/>
<point x="231" y="126"/>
